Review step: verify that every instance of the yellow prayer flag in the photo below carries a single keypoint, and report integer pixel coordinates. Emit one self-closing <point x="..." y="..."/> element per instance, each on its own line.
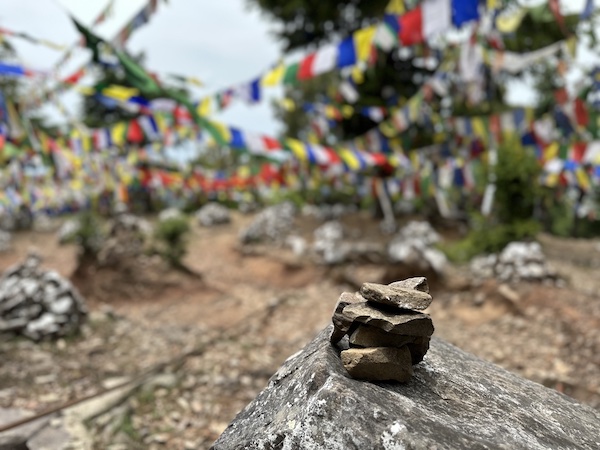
<point x="205" y="106"/>
<point x="479" y="129"/>
<point x="117" y="133"/>
<point x="582" y="179"/>
<point x="288" y="104"/>
<point x="274" y="76"/>
<point x="121" y="93"/>
<point x="347" y="111"/>
<point x="395" y="7"/>
<point x="313" y="138"/>
<point x="86" y="142"/>
<point x="223" y="131"/>
<point x="572" y="46"/>
<point x="493" y="4"/>
<point x="551" y="179"/>
<point x="363" y="41"/>
<point x="297" y="148"/>
<point x="551" y="151"/>
<point x="349" y="158"/>
<point x="358" y="75"/>
<point x="508" y="23"/>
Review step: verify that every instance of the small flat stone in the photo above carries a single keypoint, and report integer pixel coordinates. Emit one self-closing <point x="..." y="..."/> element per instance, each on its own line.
<point x="418" y="348"/>
<point x="378" y="363"/>
<point x="396" y="296"/>
<point x="417" y="283"/>
<point x="408" y="323"/>
<point x="341" y="324"/>
<point x="367" y="336"/>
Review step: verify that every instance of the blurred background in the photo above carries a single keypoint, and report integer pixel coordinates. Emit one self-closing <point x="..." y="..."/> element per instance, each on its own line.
<point x="188" y="188"/>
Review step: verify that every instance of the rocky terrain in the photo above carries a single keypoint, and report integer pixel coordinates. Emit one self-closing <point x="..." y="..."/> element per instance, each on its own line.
<point x="199" y="348"/>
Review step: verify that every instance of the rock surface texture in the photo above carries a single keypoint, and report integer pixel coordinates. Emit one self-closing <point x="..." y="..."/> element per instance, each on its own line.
<point x="453" y="401"/>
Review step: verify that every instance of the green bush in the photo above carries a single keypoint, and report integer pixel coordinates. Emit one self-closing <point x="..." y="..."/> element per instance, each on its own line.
<point x="517" y="191"/>
<point x="171" y="239"/>
<point x="490" y="239"/>
<point x="90" y="234"/>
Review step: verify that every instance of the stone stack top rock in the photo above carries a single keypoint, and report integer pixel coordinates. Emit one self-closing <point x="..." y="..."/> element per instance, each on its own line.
<point x="387" y="330"/>
<point x="396" y="295"/>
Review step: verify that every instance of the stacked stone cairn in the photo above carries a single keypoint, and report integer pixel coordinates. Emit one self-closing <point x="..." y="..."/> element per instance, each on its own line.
<point x="39" y="304"/>
<point x="387" y="331"/>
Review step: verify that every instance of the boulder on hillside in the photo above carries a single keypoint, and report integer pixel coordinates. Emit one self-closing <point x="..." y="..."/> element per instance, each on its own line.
<point x="272" y="224"/>
<point x="454" y="400"/>
<point x="213" y="214"/>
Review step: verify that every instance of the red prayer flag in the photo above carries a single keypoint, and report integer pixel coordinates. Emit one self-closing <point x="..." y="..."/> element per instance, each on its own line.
<point x="135" y="133"/>
<point x="305" y="70"/>
<point x="411" y="27"/>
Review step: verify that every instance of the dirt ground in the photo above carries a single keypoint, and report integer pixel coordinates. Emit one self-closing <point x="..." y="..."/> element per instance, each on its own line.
<point x="251" y="308"/>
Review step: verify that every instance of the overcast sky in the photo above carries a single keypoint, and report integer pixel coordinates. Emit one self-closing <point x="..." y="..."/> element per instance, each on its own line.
<point x="221" y="42"/>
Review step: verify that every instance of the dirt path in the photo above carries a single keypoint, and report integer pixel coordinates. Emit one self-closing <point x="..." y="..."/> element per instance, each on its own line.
<point x="250" y="310"/>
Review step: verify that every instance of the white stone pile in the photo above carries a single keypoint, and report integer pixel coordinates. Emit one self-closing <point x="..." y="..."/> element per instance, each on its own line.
<point x="37" y="303"/>
<point x="272" y="224"/>
<point x="213" y="214"/>
<point x="518" y="261"/>
<point x="413" y="246"/>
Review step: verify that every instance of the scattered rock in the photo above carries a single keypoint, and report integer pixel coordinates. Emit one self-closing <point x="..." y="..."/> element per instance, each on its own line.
<point x="272" y="224"/>
<point x="213" y="214"/>
<point x="518" y="261"/>
<point x="412" y="247"/>
<point x="327" y="240"/>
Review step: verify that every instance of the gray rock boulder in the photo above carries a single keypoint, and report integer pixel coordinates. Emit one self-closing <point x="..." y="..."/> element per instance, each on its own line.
<point x="213" y="214"/>
<point x="272" y="224"/>
<point x="413" y="246"/>
<point x="453" y="400"/>
<point x="517" y="261"/>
